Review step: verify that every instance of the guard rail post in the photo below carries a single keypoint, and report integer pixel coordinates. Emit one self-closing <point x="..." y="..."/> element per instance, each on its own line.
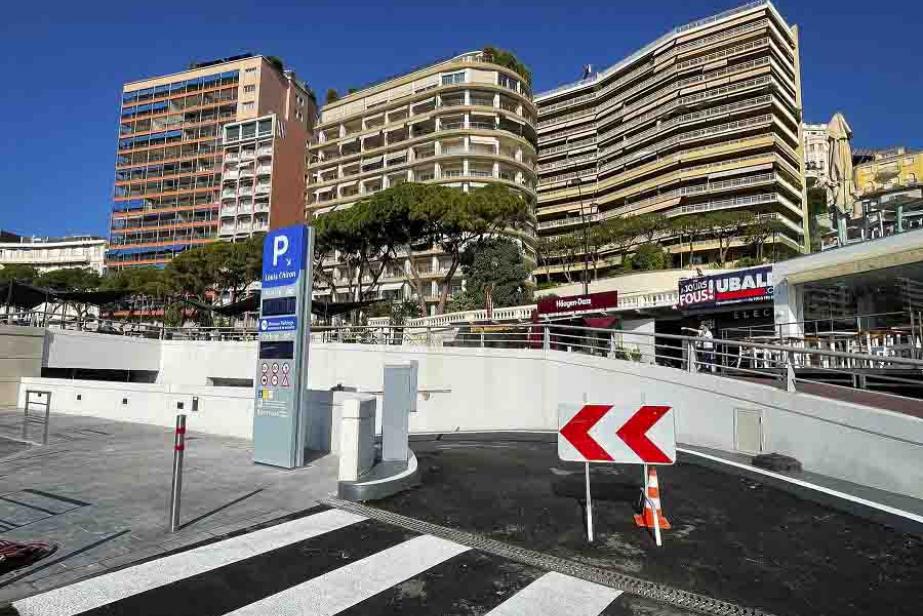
<point x="546" y="338"/>
<point x="690" y="356"/>
<point x="789" y="377"/>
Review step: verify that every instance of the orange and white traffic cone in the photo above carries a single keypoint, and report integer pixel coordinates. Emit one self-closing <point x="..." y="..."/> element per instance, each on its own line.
<point x="646" y="519"/>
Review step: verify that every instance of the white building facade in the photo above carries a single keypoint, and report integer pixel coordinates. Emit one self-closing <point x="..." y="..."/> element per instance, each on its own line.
<point x="816" y="151"/>
<point x="46" y="254"/>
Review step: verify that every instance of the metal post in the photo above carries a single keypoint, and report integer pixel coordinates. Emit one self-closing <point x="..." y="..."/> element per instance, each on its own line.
<point x="47" y="417"/>
<point x="690" y="356"/>
<point x="179" y="446"/>
<point x="612" y="345"/>
<point x="657" y="538"/>
<point x="789" y="373"/>
<point x="546" y="338"/>
<point x="482" y="340"/>
<point x="589" y="504"/>
<point x="9" y="299"/>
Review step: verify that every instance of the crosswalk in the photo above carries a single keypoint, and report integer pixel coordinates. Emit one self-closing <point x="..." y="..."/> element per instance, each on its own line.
<point x="328" y="562"/>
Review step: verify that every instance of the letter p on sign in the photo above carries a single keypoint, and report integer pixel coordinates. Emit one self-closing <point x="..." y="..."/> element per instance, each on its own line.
<point x="279" y="248"/>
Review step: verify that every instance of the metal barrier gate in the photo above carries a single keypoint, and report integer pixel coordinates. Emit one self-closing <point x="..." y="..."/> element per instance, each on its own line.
<point x="33" y="415"/>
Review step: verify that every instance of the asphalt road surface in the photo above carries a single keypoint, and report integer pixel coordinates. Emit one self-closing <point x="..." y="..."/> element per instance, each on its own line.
<point x="332" y="562"/>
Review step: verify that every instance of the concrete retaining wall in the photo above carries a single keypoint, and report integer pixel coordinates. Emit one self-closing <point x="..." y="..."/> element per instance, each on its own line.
<point x="21" y="350"/>
<point x="227" y="411"/>
<point x="75" y="349"/>
<point x="498" y="389"/>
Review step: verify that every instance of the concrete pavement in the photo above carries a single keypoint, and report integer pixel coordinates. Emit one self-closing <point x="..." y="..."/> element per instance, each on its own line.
<point x="100" y="490"/>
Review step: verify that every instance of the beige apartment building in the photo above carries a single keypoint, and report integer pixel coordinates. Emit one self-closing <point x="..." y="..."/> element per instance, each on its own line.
<point x="215" y="151"/>
<point x="705" y="118"/>
<point x="887" y="170"/>
<point x="462" y="122"/>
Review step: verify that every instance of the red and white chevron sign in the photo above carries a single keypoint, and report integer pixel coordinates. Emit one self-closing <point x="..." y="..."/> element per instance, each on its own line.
<point x="620" y="435"/>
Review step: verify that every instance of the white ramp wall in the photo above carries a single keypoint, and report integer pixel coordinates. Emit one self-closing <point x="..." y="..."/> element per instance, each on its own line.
<point x="500" y="389"/>
<point x="76" y="349"/>
<point x="496" y="389"/>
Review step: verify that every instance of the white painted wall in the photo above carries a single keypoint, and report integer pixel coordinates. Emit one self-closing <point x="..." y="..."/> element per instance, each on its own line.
<point x="501" y="389"/>
<point x="194" y="363"/>
<point x="75" y="349"/>
<point x="227" y="411"/>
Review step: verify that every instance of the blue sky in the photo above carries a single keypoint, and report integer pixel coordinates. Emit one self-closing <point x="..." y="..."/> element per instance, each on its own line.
<point x="63" y="65"/>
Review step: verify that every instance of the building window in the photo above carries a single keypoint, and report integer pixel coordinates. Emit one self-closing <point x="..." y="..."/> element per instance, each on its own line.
<point x="249" y="89"/>
<point x="507" y="82"/>
<point x="247" y="106"/>
<point x="453" y="78"/>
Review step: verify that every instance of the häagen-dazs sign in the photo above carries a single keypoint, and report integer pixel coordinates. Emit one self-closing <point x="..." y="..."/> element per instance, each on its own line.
<point x="739" y="287"/>
<point x="578" y="303"/>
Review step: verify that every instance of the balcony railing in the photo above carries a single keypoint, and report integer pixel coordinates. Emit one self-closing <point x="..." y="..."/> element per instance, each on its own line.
<point x="570" y="145"/>
<point x="566" y="222"/>
<point x="567" y="117"/>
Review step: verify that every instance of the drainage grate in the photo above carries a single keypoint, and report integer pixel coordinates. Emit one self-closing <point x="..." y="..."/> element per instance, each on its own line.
<point x="650" y="590"/>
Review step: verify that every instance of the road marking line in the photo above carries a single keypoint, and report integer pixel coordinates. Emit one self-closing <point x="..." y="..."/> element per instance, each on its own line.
<point x="344" y="587"/>
<point x="105" y="589"/>
<point x="554" y="594"/>
<point x="806" y="484"/>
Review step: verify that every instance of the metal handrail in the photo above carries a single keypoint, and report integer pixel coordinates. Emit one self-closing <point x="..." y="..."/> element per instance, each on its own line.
<point x="776" y="361"/>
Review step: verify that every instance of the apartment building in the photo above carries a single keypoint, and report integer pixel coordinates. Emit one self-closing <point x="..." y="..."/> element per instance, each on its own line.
<point x="705" y="118"/>
<point x="51" y="253"/>
<point x="887" y="170"/>
<point x="215" y="151"/>
<point x="462" y="122"/>
<point x="816" y="151"/>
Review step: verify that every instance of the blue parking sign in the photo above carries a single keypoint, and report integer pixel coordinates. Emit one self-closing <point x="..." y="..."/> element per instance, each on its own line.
<point x="284" y="252"/>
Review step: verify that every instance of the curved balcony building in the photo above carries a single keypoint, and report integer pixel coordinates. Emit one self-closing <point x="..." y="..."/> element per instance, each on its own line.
<point x="462" y="122"/>
<point x="705" y="118"/>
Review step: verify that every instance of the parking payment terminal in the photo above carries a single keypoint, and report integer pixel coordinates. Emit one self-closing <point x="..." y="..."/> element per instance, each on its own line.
<point x="282" y="356"/>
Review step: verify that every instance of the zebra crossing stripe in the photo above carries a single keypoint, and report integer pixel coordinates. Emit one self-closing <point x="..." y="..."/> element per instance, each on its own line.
<point x="344" y="587"/>
<point x="105" y="589"/>
<point x="554" y="594"/>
